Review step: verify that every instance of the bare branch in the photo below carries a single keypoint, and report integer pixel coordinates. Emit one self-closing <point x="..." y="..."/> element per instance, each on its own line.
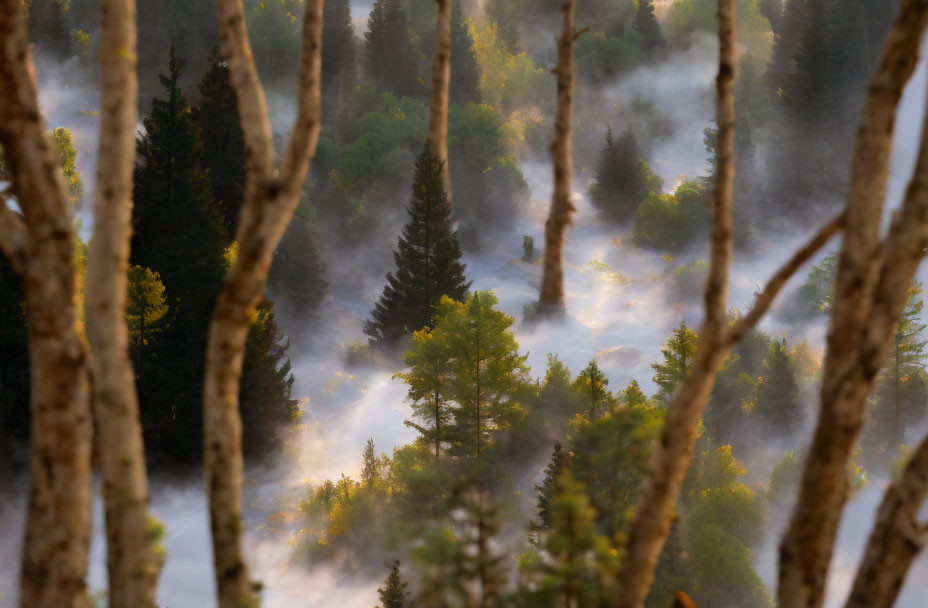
<point x="765" y="298"/>
<point x="674" y="450"/>
<point x="806" y="549"/>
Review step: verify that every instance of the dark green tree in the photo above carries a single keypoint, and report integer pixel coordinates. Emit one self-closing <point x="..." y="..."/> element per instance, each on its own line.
<point x="391" y="60"/>
<point x="647" y="26"/>
<point x="297" y="279"/>
<point x="427" y="259"/>
<point x="623" y="179"/>
<point x="393" y="594"/>
<point x="223" y="142"/>
<point x="465" y="75"/>
<point x="178" y="234"/>
<point x="592" y="383"/>
<point x="339" y="62"/>
<point x="265" y="393"/>
<point x="545" y="493"/>
<point x="48" y="26"/>
<point x="778" y="403"/>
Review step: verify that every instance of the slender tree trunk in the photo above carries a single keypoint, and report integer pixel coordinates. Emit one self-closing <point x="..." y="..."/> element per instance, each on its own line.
<point x="441" y="80"/>
<point x="132" y="562"/>
<point x="674" y="451"/>
<point x="270" y="199"/>
<point x="806" y="548"/>
<point x="40" y="248"/>
<point x="551" y="300"/>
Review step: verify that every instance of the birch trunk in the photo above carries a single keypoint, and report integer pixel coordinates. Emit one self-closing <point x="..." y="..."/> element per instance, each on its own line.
<point x="132" y="563"/>
<point x="271" y="197"/>
<point x="41" y="245"/>
<point x="551" y="301"/>
<point x="674" y="451"/>
<point x="441" y="80"/>
<point x="806" y="548"/>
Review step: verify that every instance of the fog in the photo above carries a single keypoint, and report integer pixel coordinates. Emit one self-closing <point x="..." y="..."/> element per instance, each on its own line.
<point x="621" y="306"/>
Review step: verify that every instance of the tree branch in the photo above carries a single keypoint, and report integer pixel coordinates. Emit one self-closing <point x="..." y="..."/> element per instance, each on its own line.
<point x="765" y="298"/>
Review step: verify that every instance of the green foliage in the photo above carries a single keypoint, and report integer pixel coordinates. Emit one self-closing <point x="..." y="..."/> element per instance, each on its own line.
<point x="678" y="353"/>
<point x="223" y="141"/>
<point x="815" y="295"/>
<point x="145" y="307"/>
<point x="734" y="396"/>
<point x="67" y="155"/>
<point x="393" y="594"/>
<point x="784" y="481"/>
<point x="592" y="383"/>
<point x="647" y="27"/>
<point x="427" y="257"/>
<point x="778" y="404"/>
<point x="601" y="58"/>
<point x="297" y="279"/>
<point x="391" y="60"/>
<point x="465" y="74"/>
<point x="508" y="80"/>
<point x="339" y="62"/>
<point x="545" y="493"/>
<point x="672" y="222"/>
<point x="623" y="179"/>
<point x="274" y="28"/>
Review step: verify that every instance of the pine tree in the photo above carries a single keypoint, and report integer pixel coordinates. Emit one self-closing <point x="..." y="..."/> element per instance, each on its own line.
<point x="48" y="26"/>
<point x="145" y="307"/>
<point x="223" y="142"/>
<point x="479" y="563"/>
<point x="592" y="383"/>
<point x="427" y="261"/>
<point x="178" y="234"/>
<point x="391" y="59"/>
<point x="393" y="594"/>
<point x="339" y="61"/>
<point x="778" y="403"/>
<point x="465" y="75"/>
<point x="647" y="26"/>
<point x="297" y="279"/>
<point x="678" y="353"/>
<point x="370" y="469"/>
<point x="623" y="180"/>
<point x="428" y="380"/>
<point x="545" y="493"/>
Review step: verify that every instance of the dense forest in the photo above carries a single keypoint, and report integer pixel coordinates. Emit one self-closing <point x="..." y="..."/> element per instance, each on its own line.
<point x="463" y="303"/>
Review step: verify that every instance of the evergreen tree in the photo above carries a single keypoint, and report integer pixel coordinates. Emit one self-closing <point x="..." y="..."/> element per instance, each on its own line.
<point x="678" y="353"/>
<point x="391" y="59"/>
<point x="370" y="469"/>
<point x="48" y="26"/>
<point x="647" y="26"/>
<point x="560" y="462"/>
<point x="265" y="392"/>
<point x="145" y="307"/>
<point x="778" y="403"/>
<point x="223" y="141"/>
<point x="592" y="383"/>
<point x="479" y="563"/>
<point x="465" y="75"/>
<point x="633" y="395"/>
<point x="623" y="180"/>
<point x="178" y="234"/>
<point x="735" y="391"/>
<point x="902" y="387"/>
<point x="558" y="398"/>
<point x="297" y="276"/>
<point x="428" y="379"/>
<point x="427" y="259"/>
<point x="67" y="158"/>
<point x="393" y="594"/>
<point x="339" y="62"/>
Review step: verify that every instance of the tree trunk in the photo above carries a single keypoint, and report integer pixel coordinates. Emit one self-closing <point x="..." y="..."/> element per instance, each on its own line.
<point x="551" y="301"/>
<point x="806" y="548"/>
<point x="438" y="103"/>
<point x="270" y="199"/>
<point x="673" y="453"/>
<point x="40" y="247"/>
<point x="132" y="562"/>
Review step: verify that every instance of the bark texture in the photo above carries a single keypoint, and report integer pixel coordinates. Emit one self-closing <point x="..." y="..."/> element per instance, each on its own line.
<point x="807" y="545"/>
<point x="897" y="537"/>
<point x="551" y="300"/>
<point x="132" y="561"/>
<point x="41" y="244"/>
<point x="271" y="197"/>
<point x="441" y="80"/>
<point x="674" y="451"/>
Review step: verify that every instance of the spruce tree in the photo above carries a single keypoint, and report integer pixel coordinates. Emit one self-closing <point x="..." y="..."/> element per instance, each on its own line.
<point x="339" y="61"/>
<point x="297" y="277"/>
<point x="560" y="462"/>
<point x="391" y="59"/>
<point x="370" y="469"/>
<point x="623" y="179"/>
<point x="393" y="594"/>
<point x="591" y="383"/>
<point x="678" y="353"/>
<point x="48" y="26"/>
<point x="223" y="141"/>
<point x="778" y="402"/>
<point x="465" y="74"/>
<point x="647" y="26"/>
<point x="427" y="260"/>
